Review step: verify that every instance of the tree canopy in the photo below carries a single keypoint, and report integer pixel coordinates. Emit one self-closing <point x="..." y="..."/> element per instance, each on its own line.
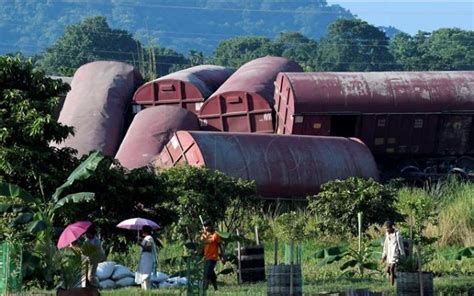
<point x="354" y="45"/>
<point x="28" y="100"/>
<point x="89" y="41"/>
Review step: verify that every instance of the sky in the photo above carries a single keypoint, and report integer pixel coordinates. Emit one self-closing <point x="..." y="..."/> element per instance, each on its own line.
<point x="412" y="15"/>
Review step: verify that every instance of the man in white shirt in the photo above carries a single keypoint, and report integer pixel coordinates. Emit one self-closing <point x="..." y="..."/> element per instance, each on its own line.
<point x="392" y="249"/>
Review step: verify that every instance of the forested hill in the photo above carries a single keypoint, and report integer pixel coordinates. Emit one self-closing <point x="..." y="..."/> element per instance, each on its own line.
<point x="30" y="26"/>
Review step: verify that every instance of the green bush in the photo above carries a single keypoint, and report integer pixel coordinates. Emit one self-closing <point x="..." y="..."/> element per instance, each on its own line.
<point x="193" y="191"/>
<point x="339" y="201"/>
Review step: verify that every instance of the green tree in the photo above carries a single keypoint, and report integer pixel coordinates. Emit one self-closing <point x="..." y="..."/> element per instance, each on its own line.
<point x="235" y="52"/>
<point x="354" y="45"/>
<point x="88" y="41"/>
<point x="443" y="49"/>
<point x="195" y="191"/>
<point x="27" y="126"/>
<point x="299" y="48"/>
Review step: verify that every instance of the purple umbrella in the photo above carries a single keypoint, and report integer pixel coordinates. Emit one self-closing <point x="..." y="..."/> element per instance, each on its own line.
<point x="137" y="224"/>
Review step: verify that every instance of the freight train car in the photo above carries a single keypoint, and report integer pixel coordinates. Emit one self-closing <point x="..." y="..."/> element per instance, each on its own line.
<point x="150" y="131"/>
<point x="281" y="165"/>
<point x="187" y="88"/>
<point x="244" y="103"/>
<point x="417" y="122"/>
<point x="97" y="106"/>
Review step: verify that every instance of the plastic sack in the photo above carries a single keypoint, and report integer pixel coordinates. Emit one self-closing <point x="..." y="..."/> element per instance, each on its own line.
<point x="125" y="282"/>
<point x="167" y="284"/>
<point x="159" y="277"/>
<point x="107" y="284"/>
<point x="121" y="272"/>
<point x="105" y="270"/>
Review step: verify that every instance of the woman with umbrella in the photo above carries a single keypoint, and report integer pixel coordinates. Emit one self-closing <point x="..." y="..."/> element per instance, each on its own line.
<point x="147" y="262"/>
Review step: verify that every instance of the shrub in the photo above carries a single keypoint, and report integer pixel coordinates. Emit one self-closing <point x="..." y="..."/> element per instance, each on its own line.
<point x="339" y="202"/>
<point x="193" y="191"/>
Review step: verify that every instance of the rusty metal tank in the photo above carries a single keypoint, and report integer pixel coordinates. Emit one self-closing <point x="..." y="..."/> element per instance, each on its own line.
<point x="97" y="106"/>
<point x="187" y="88"/>
<point x="298" y="96"/>
<point x="244" y="103"/>
<point x="150" y="130"/>
<point x="281" y="165"/>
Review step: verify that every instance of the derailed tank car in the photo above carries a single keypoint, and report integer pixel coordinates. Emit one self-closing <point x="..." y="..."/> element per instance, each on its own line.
<point x="282" y="166"/>
<point x="150" y="131"/>
<point x="187" y="88"/>
<point x="412" y="120"/>
<point x="244" y="103"/>
<point x="97" y="106"/>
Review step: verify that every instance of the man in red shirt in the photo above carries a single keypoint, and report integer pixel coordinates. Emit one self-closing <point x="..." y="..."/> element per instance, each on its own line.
<point x="211" y="241"/>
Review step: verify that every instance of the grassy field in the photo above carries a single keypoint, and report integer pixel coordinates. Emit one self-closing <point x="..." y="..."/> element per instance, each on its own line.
<point x="443" y="286"/>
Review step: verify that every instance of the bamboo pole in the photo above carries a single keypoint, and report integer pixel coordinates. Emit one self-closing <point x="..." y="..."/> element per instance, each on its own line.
<point x="257" y="240"/>
<point x="239" y="258"/>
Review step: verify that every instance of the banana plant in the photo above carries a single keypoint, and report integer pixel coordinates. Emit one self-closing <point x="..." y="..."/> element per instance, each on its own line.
<point x="355" y="261"/>
<point x="33" y="216"/>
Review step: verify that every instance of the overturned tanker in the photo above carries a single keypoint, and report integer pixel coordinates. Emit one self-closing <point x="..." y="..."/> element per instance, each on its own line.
<point x="282" y="166"/>
<point x="149" y="132"/>
<point x="97" y="104"/>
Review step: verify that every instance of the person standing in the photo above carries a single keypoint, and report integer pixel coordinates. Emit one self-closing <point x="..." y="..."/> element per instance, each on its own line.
<point x="147" y="264"/>
<point x="94" y="253"/>
<point x="392" y="249"/>
<point x="212" y="242"/>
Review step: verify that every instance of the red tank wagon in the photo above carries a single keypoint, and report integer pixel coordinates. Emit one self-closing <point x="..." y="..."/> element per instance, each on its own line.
<point x="244" y="103"/>
<point x="282" y="166"/>
<point x="402" y="116"/>
<point x="150" y="131"/>
<point x="187" y="88"/>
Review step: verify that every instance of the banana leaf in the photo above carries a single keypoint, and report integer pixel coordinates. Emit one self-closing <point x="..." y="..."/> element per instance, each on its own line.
<point x="74" y="198"/>
<point x="82" y="172"/>
<point x="11" y="190"/>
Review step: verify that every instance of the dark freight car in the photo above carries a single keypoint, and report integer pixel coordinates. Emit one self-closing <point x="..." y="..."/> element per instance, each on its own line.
<point x="282" y="166"/>
<point x="187" y="88"/>
<point x="244" y="103"/>
<point x="399" y="115"/>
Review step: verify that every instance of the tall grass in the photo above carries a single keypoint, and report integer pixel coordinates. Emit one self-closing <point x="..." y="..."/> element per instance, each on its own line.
<point x="455" y="203"/>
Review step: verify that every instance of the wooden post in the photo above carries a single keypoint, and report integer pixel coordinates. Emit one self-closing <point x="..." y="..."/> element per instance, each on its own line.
<point x="257" y="240"/>
<point x="420" y="272"/>
<point x="291" y="267"/>
<point x="239" y="258"/>
<point x="275" y="251"/>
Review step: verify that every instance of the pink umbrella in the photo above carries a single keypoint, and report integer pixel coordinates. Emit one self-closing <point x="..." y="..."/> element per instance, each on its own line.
<point x="137" y="224"/>
<point x="72" y="232"/>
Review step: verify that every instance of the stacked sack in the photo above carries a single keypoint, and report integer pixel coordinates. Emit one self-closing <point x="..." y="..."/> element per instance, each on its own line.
<point x="112" y="275"/>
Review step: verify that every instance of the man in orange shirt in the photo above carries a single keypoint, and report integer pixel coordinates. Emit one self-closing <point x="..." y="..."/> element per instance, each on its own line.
<point x="211" y="253"/>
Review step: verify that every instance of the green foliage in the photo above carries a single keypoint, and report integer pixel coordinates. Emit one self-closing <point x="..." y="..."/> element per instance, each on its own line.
<point x="28" y="100"/>
<point x="195" y="191"/>
<point x="356" y="262"/>
<point x="237" y="51"/>
<point x="88" y="41"/>
<point x="289" y="227"/>
<point x="338" y="203"/>
<point x="443" y="49"/>
<point x="32" y="224"/>
<point x="299" y="48"/>
<point x="354" y="45"/>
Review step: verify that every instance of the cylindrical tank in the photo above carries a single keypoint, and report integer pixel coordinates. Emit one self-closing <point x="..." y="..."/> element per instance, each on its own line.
<point x="282" y="166"/>
<point x="244" y="103"/>
<point x="150" y="130"/>
<point x="298" y="95"/>
<point x="187" y="88"/>
<point x="97" y="104"/>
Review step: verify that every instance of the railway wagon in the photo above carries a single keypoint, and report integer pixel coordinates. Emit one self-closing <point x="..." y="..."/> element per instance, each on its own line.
<point x="244" y="103"/>
<point x="416" y="120"/>
<point x="282" y="166"/>
<point x="97" y="106"/>
<point x="187" y="88"/>
<point x="150" y="131"/>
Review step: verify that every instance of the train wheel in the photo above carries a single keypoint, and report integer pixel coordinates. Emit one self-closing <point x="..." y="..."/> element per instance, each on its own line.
<point x="459" y="173"/>
<point x="466" y="163"/>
